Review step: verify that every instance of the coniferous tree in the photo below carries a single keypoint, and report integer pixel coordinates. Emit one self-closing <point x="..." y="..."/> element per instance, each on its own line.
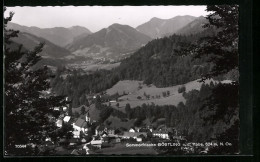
<point x="28" y="112"/>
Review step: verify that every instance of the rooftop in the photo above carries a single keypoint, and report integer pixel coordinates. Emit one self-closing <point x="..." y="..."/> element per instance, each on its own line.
<point x="66" y="118"/>
<point x="80" y="122"/>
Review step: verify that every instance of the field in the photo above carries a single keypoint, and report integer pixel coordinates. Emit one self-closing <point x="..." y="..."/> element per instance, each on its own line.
<point x="133" y="89"/>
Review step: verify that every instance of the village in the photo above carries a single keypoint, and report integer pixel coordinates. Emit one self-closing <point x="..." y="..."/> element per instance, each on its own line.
<point x="92" y="137"/>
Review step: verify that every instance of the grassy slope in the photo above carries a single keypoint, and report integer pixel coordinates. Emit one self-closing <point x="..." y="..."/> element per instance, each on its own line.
<point x="132" y="89"/>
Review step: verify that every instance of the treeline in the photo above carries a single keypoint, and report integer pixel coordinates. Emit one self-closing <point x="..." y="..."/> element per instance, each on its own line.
<point x="77" y="84"/>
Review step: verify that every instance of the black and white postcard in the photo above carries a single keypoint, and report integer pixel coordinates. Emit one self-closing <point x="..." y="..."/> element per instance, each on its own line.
<point x="121" y="80"/>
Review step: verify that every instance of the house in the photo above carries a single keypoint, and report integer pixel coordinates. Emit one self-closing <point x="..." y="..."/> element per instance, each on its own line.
<point x="56" y="109"/>
<point x="66" y="119"/>
<point x="80" y="125"/>
<point x="134" y="135"/>
<point x="101" y="129"/>
<point x="83" y="140"/>
<point x="138" y="139"/>
<point x="162" y="132"/>
<point x="96" y="143"/>
<point x="76" y="134"/>
<point x="132" y="130"/>
<point x="64" y="108"/>
<point x="105" y="139"/>
<point x="59" y="123"/>
<point x="110" y="131"/>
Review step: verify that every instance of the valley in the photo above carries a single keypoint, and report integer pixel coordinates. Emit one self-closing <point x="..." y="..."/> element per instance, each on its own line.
<point x="166" y="81"/>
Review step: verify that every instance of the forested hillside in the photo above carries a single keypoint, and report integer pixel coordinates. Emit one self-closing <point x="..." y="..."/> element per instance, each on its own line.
<point x="159" y="63"/>
<point x="156" y="63"/>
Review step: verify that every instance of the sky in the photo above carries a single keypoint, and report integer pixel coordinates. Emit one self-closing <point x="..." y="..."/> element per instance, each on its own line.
<point x="97" y="17"/>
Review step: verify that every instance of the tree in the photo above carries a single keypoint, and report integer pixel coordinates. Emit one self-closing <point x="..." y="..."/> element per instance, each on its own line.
<point x="182" y="89"/>
<point x="28" y="112"/>
<point x="83" y="109"/>
<point x="70" y="109"/>
<point x="76" y="114"/>
<point x="221" y="48"/>
<point x="98" y="102"/>
<point x="128" y="110"/>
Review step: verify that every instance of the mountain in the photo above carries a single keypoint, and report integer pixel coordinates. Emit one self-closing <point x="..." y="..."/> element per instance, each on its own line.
<point x="50" y="50"/>
<point x="58" y="35"/>
<point x="193" y="27"/>
<point x="110" y="42"/>
<point x="52" y="54"/>
<point x="161" y="27"/>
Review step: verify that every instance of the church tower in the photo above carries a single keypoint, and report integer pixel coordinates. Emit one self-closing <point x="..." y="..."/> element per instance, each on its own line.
<point x="87" y="117"/>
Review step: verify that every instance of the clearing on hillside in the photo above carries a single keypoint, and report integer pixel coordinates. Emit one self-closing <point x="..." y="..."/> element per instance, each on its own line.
<point x="137" y="93"/>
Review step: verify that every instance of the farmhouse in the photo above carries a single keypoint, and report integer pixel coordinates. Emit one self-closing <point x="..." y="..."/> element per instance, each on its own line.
<point x="80" y="125"/>
<point x="162" y="133"/>
<point x="100" y="130"/>
<point x="134" y="135"/>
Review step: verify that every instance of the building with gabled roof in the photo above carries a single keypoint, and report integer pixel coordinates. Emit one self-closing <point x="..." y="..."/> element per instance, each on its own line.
<point x="162" y="132"/>
<point x="80" y="125"/>
<point x="134" y="135"/>
<point x="101" y="129"/>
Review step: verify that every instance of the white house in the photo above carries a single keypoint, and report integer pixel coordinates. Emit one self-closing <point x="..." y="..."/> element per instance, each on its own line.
<point x="96" y="143"/>
<point x="132" y="130"/>
<point x="66" y="119"/>
<point x="76" y="134"/>
<point x="64" y="108"/>
<point x="56" y="109"/>
<point x="59" y="123"/>
<point x="139" y="139"/>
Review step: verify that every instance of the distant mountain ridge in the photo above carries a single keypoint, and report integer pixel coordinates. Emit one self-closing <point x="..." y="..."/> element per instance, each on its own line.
<point x="156" y="27"/>
<point x="114" y="40"/>
<point x="193" y="27"/>
<point x="50" y="50"/>
<point x="52" y="55"/>
<point x="58" y="35"/>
